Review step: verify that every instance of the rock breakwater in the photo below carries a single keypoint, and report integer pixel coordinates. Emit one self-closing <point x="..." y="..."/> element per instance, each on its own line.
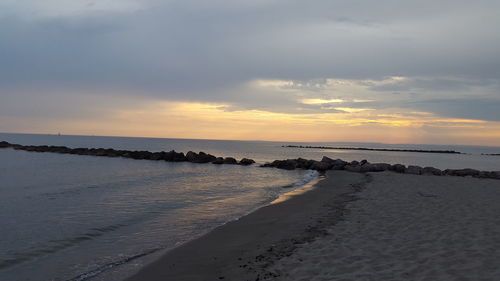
<point x="288" y="164"/>
<point x="170" y="156"/>
<point x="364" y="167"/>
<point x="375" y="149"/>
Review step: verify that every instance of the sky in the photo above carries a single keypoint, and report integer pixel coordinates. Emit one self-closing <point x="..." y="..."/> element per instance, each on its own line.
<point x="363" y="71"/>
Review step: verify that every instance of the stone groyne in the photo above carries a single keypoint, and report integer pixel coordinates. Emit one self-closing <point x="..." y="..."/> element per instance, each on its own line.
<point x="171" y="156"/>
<point x="375" y="149"/>
<point x="288" y="164"/>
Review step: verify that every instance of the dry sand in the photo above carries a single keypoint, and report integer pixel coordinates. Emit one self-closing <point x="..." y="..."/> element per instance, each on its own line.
<point x="406" y="227"/>
<point x="401" y="227"/>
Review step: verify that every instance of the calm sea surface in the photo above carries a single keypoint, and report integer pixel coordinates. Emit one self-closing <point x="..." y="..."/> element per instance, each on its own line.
<point x="70" y="217"/>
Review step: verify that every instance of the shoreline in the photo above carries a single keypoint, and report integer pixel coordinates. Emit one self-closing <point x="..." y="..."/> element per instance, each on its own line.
<point x="353" y="226"/>
<point x="244" y="248"/>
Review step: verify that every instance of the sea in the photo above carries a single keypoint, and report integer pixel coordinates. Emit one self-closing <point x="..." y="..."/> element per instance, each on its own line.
<point x="73" y="218"/>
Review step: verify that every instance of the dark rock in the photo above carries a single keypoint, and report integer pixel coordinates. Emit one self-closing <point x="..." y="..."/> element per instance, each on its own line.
<point x="335" y="164"/>
<point x="375" y="167"/>
<point x="414" y="170"/>
<point x="363" y="162"/>
<point x="246" y="161"/>
<point x="191" y="156"/>
<point x="113" y="153"/>
<point x="398" y="168"/>
<point x="17" y="146"/>
<point x="353" y="168"/>
<point x="327" y="159"/>
<point x="495" y="175"/>
<point x="218" y="160"/>
<point x="354" y="163"/>
<point x="52" y="148"/>
<point x="4" y="144"/>
<point x="432" y="171"/>
<point x="489" y="175"/>
<point x="205" y="157"/>
<point x="302" y="163"/>
<point x="289" y="164"/>
<point x="462" y="172"/>
<point x="155" y="156"/>
<point x="320" y="166"/>
<point x="173" y="156"/>
<point x="162" y="154"/>
<point x="201" y="157"/>
<point x="139" y="155"/>
<point x="230" y="160"/>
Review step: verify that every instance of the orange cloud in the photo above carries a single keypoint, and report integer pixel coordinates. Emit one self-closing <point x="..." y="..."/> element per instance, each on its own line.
<point x="212" y="121"/>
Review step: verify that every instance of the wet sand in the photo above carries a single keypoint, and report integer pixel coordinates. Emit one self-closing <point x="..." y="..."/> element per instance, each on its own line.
<point x="243" y="249"/>
<point x="352" y="226"/>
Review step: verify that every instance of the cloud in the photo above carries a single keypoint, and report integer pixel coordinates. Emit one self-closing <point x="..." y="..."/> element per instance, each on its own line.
<point x="478" y="109"/>
<point x="170" y="47"/>
<point x="442" y="58"/>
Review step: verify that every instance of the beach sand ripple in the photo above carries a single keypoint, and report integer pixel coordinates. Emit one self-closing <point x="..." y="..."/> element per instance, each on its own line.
<point x="406" y="227"/>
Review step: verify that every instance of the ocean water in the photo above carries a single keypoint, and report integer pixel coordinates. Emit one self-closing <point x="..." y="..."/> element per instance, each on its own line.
<point x="71" y="217"/>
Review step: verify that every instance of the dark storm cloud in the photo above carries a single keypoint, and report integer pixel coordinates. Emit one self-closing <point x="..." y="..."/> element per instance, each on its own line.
<point x="206" y="50"/>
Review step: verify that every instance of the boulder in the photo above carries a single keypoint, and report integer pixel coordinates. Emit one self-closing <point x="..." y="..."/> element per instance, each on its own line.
<point x="173" y="156"/>
<point x="17" y="146"/>
<point x="289" y="164"/>
<point x="327" y="159"/>
<point x="230" y="160"/>
<point x="304" y="163"/>
<point x="336" y="164"/>
<point x="206" y="157"/>
<point x="4" y="144"/>
<point x="218" y="160"/>
<point x="432" y="171"/>
<point x="191" y="156"/>
<point x="201" y="157"/>
<point x="363" y="162"/>
<point x="134" y="154"/>
<point x="79" y="151"/>
<point x="353" y="168"/>
<point x="375" y="167"/>
<point x="246" y="161"/>
<point x="489" y="175"/>
<point x="155" y="156"/>
<point x="354" y="163"/>
<point x="414" y="170"/>
<point x="462" y="172"/>
<point x="495" y="175"/>
<point x="320" y="166"/>
<point x="52" y="148"/>
<point x="398" y="168"/>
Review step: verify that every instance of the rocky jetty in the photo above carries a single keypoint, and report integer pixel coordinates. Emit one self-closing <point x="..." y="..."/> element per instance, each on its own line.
<point x="364" y="166"/>
<point x="375" y="149"/>
<point x="171" y="156"/>
<point x="325" y="164"/>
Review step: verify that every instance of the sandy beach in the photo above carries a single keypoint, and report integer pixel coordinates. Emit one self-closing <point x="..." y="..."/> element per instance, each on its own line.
<point x="374" y="226"/>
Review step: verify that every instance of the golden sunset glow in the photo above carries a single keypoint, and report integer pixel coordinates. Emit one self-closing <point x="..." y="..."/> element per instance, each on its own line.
<point x="320" y="101"/>
<point x="216" y="121"/>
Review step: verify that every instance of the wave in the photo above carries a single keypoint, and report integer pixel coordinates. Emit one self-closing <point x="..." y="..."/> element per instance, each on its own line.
<point x="93" y="273"/>
<point x="55" y="246"/>
<point x="308" y="177"/>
